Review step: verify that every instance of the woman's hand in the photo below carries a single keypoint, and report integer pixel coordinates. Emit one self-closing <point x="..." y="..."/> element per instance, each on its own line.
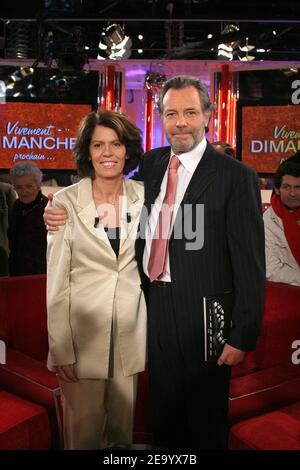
<point x="66" y="373"/>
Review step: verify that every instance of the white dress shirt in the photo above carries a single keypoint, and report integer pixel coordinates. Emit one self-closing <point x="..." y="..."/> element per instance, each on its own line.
<point x="189" y="162"/>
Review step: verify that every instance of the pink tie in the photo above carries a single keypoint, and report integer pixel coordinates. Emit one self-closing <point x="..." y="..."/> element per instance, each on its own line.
<point x="160" y="242"/>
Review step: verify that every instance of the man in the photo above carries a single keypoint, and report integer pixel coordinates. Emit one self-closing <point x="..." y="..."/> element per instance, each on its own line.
<point x="189" y="396"/>
<point x="7" y="199"/>
<point x="282" y="225"/>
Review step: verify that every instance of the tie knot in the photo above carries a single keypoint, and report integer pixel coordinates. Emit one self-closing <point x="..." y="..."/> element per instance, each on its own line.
<point x="174" y="163"/>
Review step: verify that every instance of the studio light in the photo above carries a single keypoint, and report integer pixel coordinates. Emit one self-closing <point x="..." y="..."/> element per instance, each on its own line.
<point x="26" y="71"/>
<point x="230" y="39"/>
<point x="10" y="82"/>
<point x="225" y="52"/>
<point x="154" y="81"/>
<point x="114" y="44"/>
<point x="114" y="35"/>
<point x="230" y="28"/>
<point x="19" y="40"/>
<point x="246" y="48"/>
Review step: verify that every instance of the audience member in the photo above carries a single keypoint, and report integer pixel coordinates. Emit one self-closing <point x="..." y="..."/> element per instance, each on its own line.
<point x="7" y="199"/>
<point x="27" y="232"/>
<point x="282" y="225"/>
<point x="223" y="147"/>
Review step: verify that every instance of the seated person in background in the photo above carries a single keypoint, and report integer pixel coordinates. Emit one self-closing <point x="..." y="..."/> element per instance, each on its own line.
<point x="27" y="233"/>
<point x="223" y="147"/>
<point x="282" y="225"/>
<point x="57" y="179"/>
<point x="7" y="199"/>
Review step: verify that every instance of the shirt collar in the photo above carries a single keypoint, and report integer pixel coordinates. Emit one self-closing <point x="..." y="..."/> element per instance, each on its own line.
<point x="191" y="159"/>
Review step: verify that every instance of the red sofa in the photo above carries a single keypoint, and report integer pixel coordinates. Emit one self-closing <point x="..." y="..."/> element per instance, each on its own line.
<point x="266" y="382"/>
<point x="265" y="389"/>
<point x="23" y="425"/>
<point x="23" y="328"/>
<point x="268" y="379"/>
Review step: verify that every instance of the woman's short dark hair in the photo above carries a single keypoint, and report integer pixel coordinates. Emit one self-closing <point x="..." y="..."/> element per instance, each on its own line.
<point x="127" y="132"/>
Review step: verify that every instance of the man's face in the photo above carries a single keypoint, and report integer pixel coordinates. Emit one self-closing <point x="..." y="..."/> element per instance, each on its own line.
<point x="183" y="119"/>
<point x="289" y="192"/>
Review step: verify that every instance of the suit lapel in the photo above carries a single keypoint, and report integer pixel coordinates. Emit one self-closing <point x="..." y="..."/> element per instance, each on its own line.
<point x="201" y="179"/>
<point x="87" y="211"/>
<point x="205" y="172"/>
<point x="131" y="209"/>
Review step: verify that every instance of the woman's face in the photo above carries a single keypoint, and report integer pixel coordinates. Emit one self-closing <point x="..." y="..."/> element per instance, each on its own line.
<point x="27" y="188"/>
<point x="107" y="153"/>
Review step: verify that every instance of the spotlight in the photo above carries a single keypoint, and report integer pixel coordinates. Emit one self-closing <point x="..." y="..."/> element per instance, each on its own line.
<point x="114" y="44"/>
<point x="291" y="72"/>
<point x="247" y="48"/>
<point x="154" y="81"/>
<point x="230" y="28"/>
<point x="62" y="82"/>
<point x="246" y="58"/>
<point x="225" y="51"/>
<point x="26" y="71"/>
<point x="114" y="35"/>
<point x="19" y="43"/>
<point x="10" y="82"/>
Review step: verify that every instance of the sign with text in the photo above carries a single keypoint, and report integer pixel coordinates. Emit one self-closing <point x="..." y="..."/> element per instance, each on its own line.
<point x="43" y="133"/>
<point x="269" y="134"/>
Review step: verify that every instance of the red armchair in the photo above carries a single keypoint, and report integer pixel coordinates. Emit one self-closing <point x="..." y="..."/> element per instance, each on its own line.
<point x="267" y="378"/>
<point x="23" y="328"/>
<point x="265" y="390"/>
<point x="23" y="425"/>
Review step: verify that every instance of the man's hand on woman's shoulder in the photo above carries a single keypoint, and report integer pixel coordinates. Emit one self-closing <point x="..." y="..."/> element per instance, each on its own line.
<point x="53" y="216"/>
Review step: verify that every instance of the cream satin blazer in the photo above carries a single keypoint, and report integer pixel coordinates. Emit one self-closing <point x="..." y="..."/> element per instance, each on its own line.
<point x="87" y="285"/>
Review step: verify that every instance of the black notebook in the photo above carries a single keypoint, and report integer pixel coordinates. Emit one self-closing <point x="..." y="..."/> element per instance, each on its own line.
<point x="217" y="314"/>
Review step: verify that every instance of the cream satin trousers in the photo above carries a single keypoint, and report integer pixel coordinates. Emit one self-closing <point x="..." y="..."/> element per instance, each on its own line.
<point x="100" y="413"/>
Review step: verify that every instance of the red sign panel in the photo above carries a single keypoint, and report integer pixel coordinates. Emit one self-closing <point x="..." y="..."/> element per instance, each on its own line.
<point x="43" y="133"/>
<point x="269" y="134"/>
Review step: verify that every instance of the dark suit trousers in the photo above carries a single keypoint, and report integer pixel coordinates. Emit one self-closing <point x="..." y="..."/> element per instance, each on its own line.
<point x="188" y="402"/>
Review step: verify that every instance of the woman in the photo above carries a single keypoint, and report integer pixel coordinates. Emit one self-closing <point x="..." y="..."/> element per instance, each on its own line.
<point x="7" y="200"/>
<point x="27" y="234"/>
<point x="96" y="310"/>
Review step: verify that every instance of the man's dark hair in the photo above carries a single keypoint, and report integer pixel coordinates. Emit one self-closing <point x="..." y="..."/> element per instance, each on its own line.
<point x="290" y="166"/>
<point x="184" y="81"/>
<point x="227" y="148"/>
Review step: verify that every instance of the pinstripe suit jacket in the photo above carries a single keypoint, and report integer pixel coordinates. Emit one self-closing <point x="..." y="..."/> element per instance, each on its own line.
<point x="232" y="257"/>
